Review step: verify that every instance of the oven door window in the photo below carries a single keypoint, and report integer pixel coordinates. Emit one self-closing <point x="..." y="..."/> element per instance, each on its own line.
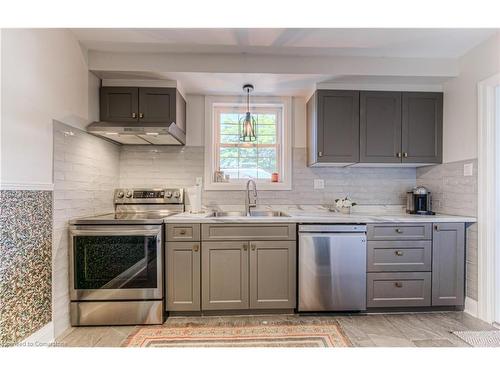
<point x="115" y="262"/>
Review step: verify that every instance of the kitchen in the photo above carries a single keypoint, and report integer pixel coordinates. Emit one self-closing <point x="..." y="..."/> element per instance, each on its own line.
<point x="287" y="197"/>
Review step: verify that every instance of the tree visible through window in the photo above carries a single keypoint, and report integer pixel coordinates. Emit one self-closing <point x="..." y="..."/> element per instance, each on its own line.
<point x="258" y="159"/>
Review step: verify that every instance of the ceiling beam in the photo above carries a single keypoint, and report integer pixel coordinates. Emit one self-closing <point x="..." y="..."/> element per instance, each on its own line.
<point x="272" y="64"/>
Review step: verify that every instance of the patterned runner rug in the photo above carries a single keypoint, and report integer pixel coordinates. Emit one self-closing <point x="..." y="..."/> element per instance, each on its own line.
<point x="283" y="335"/>
<point x="480" y="338"/>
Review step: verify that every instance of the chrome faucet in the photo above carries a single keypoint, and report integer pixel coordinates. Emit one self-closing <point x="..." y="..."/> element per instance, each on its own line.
<point x="249" y="203"/>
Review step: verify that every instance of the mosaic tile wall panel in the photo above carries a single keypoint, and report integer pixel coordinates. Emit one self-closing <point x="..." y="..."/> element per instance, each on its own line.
<point x="456" y="194"/>
<point x="25" y="263"/>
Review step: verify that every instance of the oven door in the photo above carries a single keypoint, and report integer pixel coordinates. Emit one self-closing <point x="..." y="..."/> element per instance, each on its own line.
<point x="115" y="262"/>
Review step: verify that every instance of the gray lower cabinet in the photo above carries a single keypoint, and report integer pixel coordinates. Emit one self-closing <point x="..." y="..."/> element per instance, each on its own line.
<point x="225" y="275"/>
<point x="399" y="256"/>
<point x="380" y="127"/>
<point x="183" y="276"/>
<point x="398" y="289"/>
<point x="448" y="264"/>
<point x="272" y="274"/>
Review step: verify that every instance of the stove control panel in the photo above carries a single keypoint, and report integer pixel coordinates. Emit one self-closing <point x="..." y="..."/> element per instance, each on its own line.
<point x="146" y="196"/>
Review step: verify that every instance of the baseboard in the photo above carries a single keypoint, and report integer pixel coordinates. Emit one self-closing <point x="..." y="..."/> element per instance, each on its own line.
<point x="43" y="336"/>
<point x="471" y="307"/>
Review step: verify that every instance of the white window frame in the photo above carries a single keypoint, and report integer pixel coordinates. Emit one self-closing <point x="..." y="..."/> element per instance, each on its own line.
<point x="286" y="141"/>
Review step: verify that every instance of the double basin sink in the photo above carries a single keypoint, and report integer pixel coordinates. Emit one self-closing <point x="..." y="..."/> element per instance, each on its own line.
<point x="251" y="214"/>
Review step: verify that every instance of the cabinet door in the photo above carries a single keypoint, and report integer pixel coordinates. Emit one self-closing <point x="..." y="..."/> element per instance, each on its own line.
<point x="448" y="264"/>
<point x="422" y="131"/>
<point x="224" y="275"/>
<point x="183" y="276"/>
<point x="119" y="104"/>
<point x="157" y="104"/>
<point x="338" y="126"/>
<point x="380" y="127"/>
<point x="272" y="274"/>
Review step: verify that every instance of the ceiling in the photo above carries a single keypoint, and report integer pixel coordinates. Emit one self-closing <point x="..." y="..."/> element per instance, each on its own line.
<point x="390" y="43"/>
<point x="428" y="43"/>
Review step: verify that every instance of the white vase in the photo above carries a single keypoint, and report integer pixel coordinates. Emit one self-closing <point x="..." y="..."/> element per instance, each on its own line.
<point x="345" y="210"/>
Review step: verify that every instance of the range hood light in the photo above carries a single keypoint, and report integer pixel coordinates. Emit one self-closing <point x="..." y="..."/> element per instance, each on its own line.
<point x="152" y="133"/>
<point x="111" y="133"/>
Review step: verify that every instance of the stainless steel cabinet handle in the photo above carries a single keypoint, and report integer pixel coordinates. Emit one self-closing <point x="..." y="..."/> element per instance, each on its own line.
<point x="196" y="248"/>
<point x="134" y="115"/>
<point x="398" y="284"/>
<point x="182" y="231"/>
<point x="399" y="230"/>
<point x="398" y="154"/>
<point x="320" y="153"/>
<point x="436" y="228"/>
<point x="398" y="253"/>
<point x="405" y="154"/>
<point x="245" y="247"/>
<point x="253" y="247"/>
<point x="141" y="115"/>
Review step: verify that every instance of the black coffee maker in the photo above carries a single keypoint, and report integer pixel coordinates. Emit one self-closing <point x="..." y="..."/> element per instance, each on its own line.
<point x="418" y="201"/>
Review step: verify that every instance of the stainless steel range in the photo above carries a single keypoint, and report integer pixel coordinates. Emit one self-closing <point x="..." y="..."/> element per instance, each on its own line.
<point x="116" y="259"/>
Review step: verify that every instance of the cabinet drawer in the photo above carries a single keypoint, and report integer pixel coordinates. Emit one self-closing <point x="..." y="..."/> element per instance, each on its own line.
<point x="399" y="256"/>
<point x="183" y="232"/>
<point x="217" y="232"/>
<point x="398" y="289"/>
<point x="383" y="232"/>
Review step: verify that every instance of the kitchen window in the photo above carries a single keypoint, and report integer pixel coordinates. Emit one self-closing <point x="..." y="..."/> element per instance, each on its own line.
<point x="229" y="162"/>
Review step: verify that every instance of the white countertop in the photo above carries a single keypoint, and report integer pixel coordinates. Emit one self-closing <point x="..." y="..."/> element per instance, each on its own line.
<point x="321" y="215"/>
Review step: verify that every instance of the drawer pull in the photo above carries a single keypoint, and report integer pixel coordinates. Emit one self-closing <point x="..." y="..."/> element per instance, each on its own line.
<point x="399" y="230"/>
<point x="398" y="253"/>
<point x="398" y="284"/>
<point x="253" y="247"/>
<point x="182" y="231"/>
<point x="196" y="248"/>
<point x="245" y="247"/>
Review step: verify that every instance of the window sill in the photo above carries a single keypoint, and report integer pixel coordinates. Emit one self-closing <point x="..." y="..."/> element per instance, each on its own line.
<point x="241" y="185"/>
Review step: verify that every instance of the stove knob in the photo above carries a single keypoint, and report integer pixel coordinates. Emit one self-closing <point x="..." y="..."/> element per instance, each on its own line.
<point x="120" y="194"/>
<point x="168" y="194"/>
<point x="177" y="194"/>
<point x="128" y="195"/>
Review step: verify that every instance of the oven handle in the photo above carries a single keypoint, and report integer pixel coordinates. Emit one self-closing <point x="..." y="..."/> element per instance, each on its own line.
<point x="143" y="232"/>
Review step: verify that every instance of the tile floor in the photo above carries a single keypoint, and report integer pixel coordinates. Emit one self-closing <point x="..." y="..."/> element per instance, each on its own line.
<point x="375" y="330"/>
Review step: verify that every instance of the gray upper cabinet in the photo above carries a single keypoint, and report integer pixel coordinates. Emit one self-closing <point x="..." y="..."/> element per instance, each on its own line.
<point x="448" y="264"/>
<point x="333" y="127"/>
<point x="183" y="276"/>
<point x="143" y="105"/>
<point x="422" y="127"/>
<point x="380" y="127"/>
<point x="119" y="104"/>
<point x="272" y="274"/>
<point x="157" y="104"/>
<point x="225" y="275"/>
<point x="374" y="127"/>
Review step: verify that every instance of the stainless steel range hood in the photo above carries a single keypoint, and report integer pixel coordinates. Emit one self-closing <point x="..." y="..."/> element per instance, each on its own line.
<point x="134" y="134"/>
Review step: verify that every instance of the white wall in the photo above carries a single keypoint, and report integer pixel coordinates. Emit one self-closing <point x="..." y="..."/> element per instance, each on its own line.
<point x="460" y="100"/>
<point x="44" y="77"/>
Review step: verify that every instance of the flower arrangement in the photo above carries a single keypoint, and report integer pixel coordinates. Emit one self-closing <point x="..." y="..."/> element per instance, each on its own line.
<point x="344" y="205"/>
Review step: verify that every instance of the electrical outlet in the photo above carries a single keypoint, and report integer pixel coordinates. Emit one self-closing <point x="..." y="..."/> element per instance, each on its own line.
<point x="319" y="184"/>
<point x="199" y="180"/>
<point x="468" y="169"/>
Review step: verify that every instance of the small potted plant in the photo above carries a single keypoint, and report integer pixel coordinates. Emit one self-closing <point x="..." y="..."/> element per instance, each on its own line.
<point x="344" y="205"/>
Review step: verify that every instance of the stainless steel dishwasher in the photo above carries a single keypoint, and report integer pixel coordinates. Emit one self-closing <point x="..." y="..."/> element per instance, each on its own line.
<point x="332" y="268"/>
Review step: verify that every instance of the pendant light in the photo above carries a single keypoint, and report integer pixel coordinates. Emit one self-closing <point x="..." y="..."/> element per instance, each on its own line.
<point x="247" y="123"/>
